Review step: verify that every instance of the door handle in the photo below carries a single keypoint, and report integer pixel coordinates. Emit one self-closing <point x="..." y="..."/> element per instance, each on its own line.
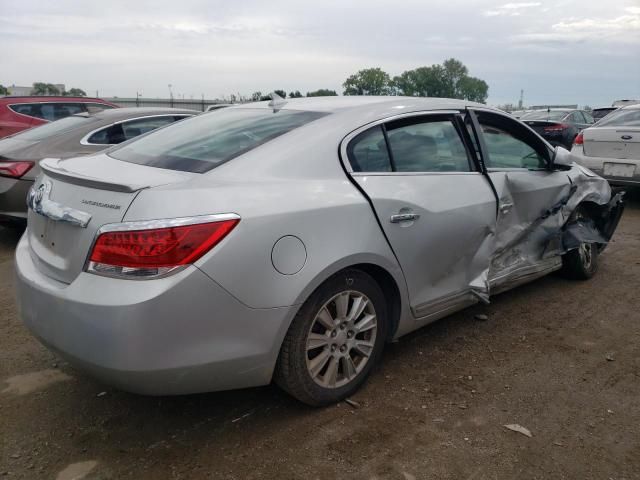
<point x="506" y="208"/>
<point x="404" y="217"/>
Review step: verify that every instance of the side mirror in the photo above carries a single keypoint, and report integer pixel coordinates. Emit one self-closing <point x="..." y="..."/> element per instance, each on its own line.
<point x="561" y="159"/>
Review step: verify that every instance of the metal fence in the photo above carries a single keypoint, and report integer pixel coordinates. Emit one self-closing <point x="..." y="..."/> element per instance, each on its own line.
<point x="190" y="104"/>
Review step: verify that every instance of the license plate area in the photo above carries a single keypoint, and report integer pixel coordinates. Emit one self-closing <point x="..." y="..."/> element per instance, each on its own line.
<point x="623" y="170"/>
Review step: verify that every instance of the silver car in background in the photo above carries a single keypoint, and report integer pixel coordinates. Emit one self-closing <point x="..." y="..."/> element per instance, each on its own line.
<point x="72" y="136"/>
<point x="291" y="240"/>
<point x="611" y="148"/>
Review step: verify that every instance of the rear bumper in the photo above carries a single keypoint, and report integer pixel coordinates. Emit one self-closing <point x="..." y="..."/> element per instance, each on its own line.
<point x="13" y="198"/>
<point x="177" y="335"/>
<point x="596" y="164"/>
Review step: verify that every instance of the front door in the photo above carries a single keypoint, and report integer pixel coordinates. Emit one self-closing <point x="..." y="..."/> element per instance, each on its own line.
<point x="517" y="162"/>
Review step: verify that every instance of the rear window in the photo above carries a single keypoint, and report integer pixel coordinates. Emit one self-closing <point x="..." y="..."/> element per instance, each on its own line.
<point x="543" y="115"/>
<point x="202" y="143"/>
<point x="54" y="128"/>
<point x="622" y="118"/>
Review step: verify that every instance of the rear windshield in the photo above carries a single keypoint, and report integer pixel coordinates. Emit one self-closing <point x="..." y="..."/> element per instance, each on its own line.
<point x="54" y="128"/>
<point x="622" y="118"/>
<point x="543" y="115"/>
<point x="203" y="142"/>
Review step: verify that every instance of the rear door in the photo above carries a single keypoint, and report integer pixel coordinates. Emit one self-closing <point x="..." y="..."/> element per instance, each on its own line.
<point x="436" y="209"/>
<point x="517" y="162"/>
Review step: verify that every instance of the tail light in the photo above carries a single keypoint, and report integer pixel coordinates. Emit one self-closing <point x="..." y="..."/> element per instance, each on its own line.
<point x="15" y="169"/>
<point x="158" y="247"/>
<point x="579" y="140"/>
<point x="556" y="128"/>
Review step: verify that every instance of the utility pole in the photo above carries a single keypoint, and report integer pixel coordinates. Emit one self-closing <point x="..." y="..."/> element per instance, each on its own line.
<point x="170" y="95"/>
<point x="521" y="102"/>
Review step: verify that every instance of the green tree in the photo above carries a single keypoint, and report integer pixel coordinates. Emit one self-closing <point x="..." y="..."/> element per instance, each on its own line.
<point x="472" y="88"/>
<point x="4" y="90"/>
<point x="449" y="80"/>
<point x="40" y="88"/>
<point x="76" y="92"/>
<point x="370" y="81"/>
<point x="295" y="94"/>
<point x="322" y="92"/>
<point x="256" y="96"/>
<point x="421" y="82"/>
<point x="281" y="93"/>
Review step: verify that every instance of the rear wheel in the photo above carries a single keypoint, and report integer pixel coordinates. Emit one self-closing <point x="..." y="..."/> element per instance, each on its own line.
<point x="335" y="340"/>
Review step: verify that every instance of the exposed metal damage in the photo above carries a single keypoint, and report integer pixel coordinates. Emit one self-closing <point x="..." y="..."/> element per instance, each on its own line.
<point x="528" y="239"/>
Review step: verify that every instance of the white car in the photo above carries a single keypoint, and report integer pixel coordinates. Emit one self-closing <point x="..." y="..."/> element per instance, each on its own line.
<point x="611" y="148"/>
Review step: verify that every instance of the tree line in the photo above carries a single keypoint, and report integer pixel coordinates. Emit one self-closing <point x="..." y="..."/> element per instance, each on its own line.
<point x="42" y="88"/>
<point x="451" y="79"/>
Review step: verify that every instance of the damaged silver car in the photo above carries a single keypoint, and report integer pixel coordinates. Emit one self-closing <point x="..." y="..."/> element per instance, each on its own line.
<point x="291" y="240"/>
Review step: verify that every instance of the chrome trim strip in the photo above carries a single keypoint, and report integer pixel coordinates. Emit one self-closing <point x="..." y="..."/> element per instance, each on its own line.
<point x="85" y="140"/>
<point x="38" y="201"/>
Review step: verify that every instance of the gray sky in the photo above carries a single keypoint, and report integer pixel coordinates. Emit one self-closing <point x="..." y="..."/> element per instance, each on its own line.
<point x="561" y="51"/>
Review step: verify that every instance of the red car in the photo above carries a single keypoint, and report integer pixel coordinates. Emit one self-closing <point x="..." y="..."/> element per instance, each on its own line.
<point x="20" y="113"/>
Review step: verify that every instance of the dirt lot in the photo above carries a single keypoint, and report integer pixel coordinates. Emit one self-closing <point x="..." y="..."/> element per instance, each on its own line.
<point x="560" y="358"/>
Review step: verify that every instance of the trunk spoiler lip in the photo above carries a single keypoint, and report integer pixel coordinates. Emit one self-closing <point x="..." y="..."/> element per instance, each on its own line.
<point x="51" y="166"/>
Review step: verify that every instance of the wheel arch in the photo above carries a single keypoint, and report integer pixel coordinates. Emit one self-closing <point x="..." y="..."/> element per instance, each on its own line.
<point x="386" y="273"/>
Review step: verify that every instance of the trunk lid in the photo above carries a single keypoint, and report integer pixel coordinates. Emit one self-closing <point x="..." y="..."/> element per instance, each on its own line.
<point x="612" y="142"/>
<point x="99" y="188"/>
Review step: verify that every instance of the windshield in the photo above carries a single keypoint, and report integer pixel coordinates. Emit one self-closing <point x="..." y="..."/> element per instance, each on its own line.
<point x="54" y="128"/>
<point x="208" y="140"/>
<point x="622" y="118"/>
<point x="544" y="115"/>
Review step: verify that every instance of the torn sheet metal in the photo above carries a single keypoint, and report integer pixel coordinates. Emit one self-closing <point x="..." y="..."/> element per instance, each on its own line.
<point x="536" y="223"/>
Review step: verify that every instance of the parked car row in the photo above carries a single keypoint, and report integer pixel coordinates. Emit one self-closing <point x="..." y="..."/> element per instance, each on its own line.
<point x="290" y="240"/>
<point x="21" y="113"/>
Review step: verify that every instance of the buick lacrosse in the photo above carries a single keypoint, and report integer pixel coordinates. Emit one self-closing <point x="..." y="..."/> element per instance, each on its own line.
<point x="290" y="240"/>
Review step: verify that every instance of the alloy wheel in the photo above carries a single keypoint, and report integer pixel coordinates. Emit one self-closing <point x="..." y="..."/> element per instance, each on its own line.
<point x="341" y="339"/>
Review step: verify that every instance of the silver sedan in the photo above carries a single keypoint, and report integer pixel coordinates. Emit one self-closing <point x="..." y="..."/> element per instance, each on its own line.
<point x="290" y="240"/>
<point x="612" y="147"/>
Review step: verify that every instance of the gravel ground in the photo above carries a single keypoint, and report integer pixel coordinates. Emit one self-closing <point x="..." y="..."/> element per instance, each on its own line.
<point x="559" y="358"/>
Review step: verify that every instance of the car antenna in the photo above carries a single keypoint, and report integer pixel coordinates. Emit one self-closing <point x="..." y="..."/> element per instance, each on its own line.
<point x="277" y="102"/>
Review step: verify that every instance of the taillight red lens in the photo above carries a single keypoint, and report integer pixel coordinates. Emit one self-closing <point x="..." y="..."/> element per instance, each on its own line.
<point x="15" y="169"/>
<point x="556" y="128"/>
<point x="161" y="247"/>
<point x="579" y="140"/>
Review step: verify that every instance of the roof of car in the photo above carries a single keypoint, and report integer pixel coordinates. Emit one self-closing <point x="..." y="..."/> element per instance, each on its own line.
<point x="633" y="106"/>
<point x="379" y="103"/>
<point x="53" y="98"/>
<point x="115" y="114"/>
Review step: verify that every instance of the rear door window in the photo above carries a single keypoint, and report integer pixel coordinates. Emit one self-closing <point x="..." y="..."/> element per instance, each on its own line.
<point x="368" y="152"/>
<point x="203" y="142"/>
<point x="427" y="145"/>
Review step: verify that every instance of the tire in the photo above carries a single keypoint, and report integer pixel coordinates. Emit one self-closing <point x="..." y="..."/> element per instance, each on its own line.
<point x="582" y="262"/>
<point x="327" y="355"/>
